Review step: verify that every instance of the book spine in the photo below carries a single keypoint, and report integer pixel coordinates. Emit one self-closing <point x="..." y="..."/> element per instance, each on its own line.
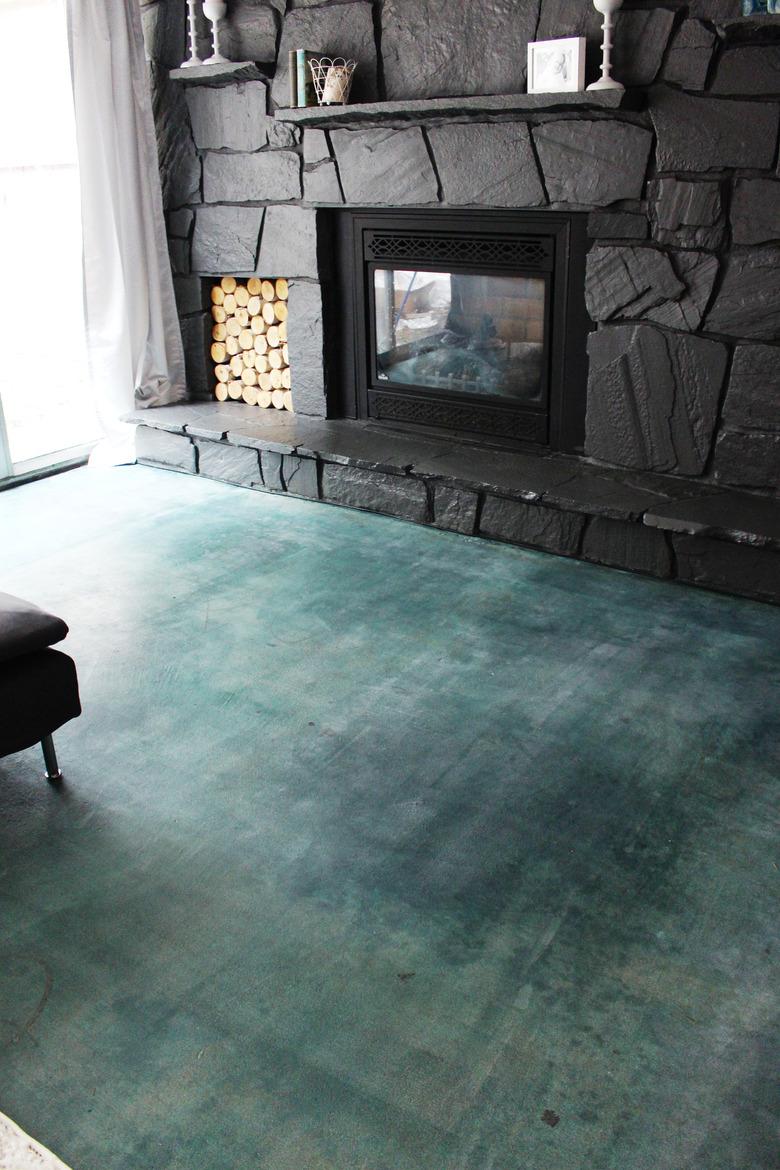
<point x="311" y="92"/>
<point x="307" y="95"/>
<point x="292" y="68"/>
<point x="300" y="56"/>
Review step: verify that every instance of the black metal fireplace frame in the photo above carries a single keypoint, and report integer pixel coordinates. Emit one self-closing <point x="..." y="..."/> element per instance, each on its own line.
<point x="353" y="388"/>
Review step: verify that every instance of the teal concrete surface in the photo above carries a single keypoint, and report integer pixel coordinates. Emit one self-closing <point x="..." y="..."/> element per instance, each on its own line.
<point x="383" y="848"/>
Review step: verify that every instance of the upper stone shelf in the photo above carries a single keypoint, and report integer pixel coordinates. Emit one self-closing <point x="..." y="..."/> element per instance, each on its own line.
<point x="431" y="107"/>
<point x="226" y="73"/>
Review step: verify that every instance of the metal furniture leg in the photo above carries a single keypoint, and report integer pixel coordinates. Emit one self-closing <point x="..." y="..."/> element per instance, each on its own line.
<point x="53" y="772"/>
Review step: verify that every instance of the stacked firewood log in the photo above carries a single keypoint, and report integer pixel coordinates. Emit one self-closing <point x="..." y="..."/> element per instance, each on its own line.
<point x="249" y="342"/>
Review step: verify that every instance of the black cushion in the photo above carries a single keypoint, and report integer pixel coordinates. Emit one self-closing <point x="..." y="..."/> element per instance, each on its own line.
<point x="38" y="693"/>
<point x="25" y="628"/>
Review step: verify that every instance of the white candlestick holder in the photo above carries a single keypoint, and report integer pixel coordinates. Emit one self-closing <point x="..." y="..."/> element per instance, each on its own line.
<point x="215" y="11"/>
<point x="607" y="8"/>
<point x="193" y="58"/>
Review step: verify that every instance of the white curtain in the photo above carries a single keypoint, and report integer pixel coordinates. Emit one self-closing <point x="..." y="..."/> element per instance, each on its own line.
<point x="133" y="335"/>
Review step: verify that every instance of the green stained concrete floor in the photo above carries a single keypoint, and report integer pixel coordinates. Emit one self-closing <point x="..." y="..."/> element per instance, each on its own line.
<point x="378" y="843"/>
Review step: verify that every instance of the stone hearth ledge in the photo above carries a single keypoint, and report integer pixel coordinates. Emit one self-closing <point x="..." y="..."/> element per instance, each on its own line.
<point x="660" y="525"/>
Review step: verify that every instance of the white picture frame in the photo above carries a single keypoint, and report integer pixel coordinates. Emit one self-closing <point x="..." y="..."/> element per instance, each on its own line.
<point x="556" y="66"/>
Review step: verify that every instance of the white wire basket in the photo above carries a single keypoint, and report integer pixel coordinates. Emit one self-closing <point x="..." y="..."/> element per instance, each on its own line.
<point x="332" y="78"/>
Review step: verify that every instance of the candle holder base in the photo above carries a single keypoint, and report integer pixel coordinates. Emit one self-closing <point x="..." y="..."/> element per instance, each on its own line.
<point x="216" y="59"/>
<point x="605" y="83"/>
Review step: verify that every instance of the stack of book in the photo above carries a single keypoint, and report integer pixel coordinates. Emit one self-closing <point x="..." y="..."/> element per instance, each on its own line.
<point x="302" y="92"/>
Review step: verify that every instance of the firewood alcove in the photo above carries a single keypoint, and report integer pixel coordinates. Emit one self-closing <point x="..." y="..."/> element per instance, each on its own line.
<point x="249" y="342"/>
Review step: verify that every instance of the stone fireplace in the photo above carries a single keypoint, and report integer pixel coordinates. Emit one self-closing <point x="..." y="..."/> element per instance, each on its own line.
<point x="670" y="189"/>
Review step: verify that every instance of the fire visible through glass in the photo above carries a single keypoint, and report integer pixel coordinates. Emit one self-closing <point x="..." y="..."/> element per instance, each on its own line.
<point x="464" y="333"/>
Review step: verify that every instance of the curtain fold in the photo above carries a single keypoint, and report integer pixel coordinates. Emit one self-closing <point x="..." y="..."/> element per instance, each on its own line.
<point x="133" y="336"/>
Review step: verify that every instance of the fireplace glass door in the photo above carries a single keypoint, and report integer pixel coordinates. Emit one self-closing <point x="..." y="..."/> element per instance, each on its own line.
<point x="467" y="323"/>
<point x="464" y="333"/>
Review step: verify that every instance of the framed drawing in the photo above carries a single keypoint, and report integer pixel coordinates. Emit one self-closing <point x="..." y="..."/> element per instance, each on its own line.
<point x="556" y="66"/>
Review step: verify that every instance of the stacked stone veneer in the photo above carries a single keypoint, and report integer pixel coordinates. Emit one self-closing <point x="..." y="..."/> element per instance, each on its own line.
<point x="681" y="183"/>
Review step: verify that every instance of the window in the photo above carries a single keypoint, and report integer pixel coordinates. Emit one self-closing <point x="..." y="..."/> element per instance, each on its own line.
<point x="46" y="412"/>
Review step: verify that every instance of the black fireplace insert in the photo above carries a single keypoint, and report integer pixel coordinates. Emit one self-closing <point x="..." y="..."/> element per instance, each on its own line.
<point x="468" y="323"/>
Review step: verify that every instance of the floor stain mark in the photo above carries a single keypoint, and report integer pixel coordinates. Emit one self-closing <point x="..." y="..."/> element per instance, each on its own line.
<point x="32" y="1020"/>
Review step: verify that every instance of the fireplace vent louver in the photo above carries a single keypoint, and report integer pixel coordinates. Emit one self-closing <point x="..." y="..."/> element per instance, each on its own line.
<point x="501" y="423"/>
<point x="499" y="251"/>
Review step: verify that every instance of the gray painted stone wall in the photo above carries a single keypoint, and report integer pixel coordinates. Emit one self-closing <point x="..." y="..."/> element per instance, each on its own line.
<point x="682" y="184"/>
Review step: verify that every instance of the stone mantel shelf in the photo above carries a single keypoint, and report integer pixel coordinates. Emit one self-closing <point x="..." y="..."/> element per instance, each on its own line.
<point x="439" y="106"/>
<point x="229" y="73"/>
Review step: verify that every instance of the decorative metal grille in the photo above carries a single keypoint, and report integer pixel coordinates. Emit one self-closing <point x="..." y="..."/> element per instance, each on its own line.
<point x="482" y="419"/>
<point x="487" y="251"/>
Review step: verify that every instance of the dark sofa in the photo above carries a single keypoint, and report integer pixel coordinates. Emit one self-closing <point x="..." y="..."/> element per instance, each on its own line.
<point x="38" y="685"/>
